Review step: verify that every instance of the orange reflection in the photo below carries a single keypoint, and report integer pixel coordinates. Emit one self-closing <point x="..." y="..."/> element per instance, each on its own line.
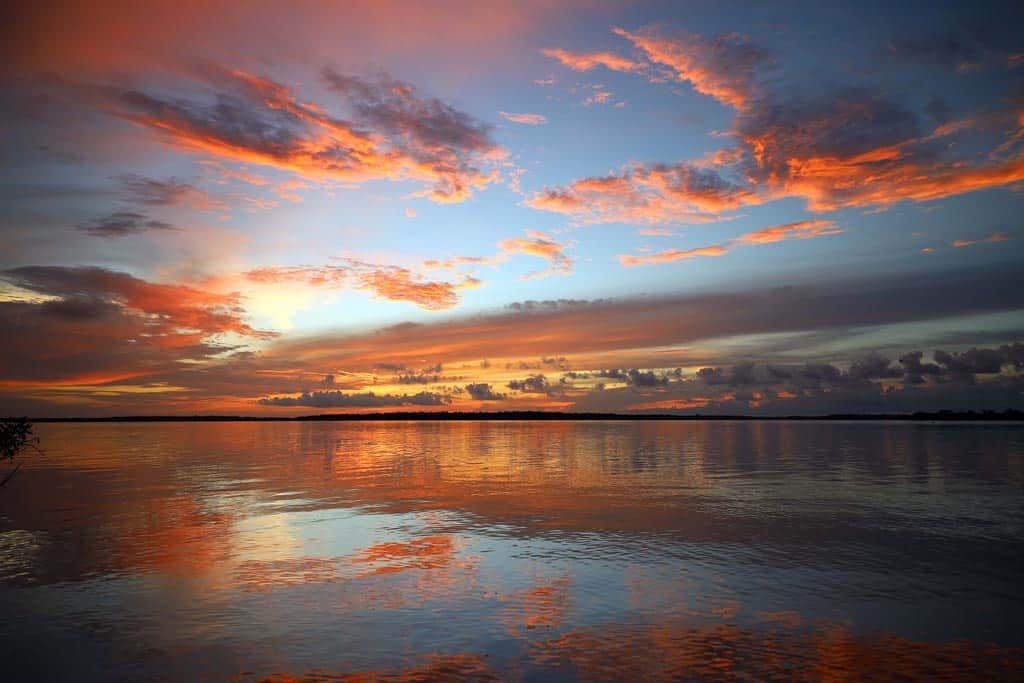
<point x="543" y="605"/>
<point x="425" y="553"/>
<point x="722" y="652"/>
<point x="460" y="667"/>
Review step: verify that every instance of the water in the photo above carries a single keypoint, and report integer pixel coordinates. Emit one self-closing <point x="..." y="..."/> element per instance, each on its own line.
<point x="524" y="551"/>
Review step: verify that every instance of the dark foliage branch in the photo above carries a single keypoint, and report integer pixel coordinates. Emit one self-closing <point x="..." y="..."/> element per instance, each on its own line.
<point x="16" y="436"/>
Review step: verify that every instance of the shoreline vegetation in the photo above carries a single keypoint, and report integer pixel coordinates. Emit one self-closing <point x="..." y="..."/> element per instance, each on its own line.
<point x="939" y="416"/>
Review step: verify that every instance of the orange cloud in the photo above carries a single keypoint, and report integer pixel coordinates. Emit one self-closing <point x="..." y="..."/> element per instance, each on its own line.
<point x="831" y="183"/>
<point x="670" y="255"/>
<point x="723" y="68"/>
<point x="860" y="149"/>
<point x="786" y="152"/>
<point x="846" y="148"/>
<point x="579" y="61"/>
<point x="389" y="282"/>
<point x="673" y="404"/>
<point x="656" y="193"/>
<point x="543" y="246"/>
<point x="801" y="231"/>
<point x="396" y="134"/>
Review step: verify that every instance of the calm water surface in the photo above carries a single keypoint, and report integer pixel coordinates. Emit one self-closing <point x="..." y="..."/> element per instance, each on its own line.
<point x="514" y="550"/>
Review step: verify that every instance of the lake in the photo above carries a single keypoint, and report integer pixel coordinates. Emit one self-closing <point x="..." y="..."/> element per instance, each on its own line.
<point x="618" y="550"/>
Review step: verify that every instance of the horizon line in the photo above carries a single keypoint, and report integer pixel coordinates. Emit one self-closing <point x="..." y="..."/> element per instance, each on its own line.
<point x="1010" y="414"/>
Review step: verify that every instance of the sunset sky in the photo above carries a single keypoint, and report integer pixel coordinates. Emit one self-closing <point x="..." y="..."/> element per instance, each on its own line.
<point x="291" y="208"/>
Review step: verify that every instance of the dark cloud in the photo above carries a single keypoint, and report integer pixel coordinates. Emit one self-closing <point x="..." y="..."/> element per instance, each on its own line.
<point x="976" y="379"/>
<point x="549" y="304"/>
<point x="742" y="373"/>
<point x="633" y="376"/>
<point x="483" y="392"/>
<point x="712" y="376"/>
<point x="613" y="373"/>
<point x="422" y="123"/>
<point x="144" y="191"/>
<point x="122" y="224"/>
<point x="914" y="370"/>
<point x="961" y="37"/>
<point x="748" y="373"/>
<point x="821" y="373"/>
<point x="390" y="367"/>
<point x="534" y="384"/>
<point x="961" y="367"/>
<point x="640" y="378"/>
<point x="1013" y="355"/>
<point x="874" y="366"/>
<point x="418" y="379"/>
<point x="965" y="365"/>
<point x="340" y="399"/>
<point x="938" y="109"/>
<point x="835" y="123"/>
<point x="559" y="362"/>
<point x="151" y="192"/>
<point x="952" y="48"/>
<point x="98" y="325"/>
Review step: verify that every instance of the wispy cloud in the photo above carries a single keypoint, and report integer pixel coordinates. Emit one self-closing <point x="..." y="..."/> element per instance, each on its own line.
<point x="994" y="237"/>
<point x="123" y="224"/>
<point x="541" y="245"/>
<point x="535" y="243"/>
<point x="526" y="119"/>
<point x="585" y="61"/>
<point x="801" y="231"/>
<point x="153" y="192"/>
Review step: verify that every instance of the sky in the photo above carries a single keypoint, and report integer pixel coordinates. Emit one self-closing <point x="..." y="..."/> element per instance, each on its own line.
<point x="698" y="207"/>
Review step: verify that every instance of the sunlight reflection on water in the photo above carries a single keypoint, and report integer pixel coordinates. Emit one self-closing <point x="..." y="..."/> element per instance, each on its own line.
<point x="567" y="550"/>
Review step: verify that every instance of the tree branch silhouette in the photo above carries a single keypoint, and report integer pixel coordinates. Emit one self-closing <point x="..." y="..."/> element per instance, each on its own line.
<point x="16" y="436"/>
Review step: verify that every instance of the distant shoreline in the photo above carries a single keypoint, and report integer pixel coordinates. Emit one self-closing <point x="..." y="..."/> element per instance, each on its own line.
<point x="941" y="416"/>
